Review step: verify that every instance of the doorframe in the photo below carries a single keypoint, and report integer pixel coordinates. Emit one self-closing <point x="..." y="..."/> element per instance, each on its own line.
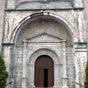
<point x="31" y="66"/>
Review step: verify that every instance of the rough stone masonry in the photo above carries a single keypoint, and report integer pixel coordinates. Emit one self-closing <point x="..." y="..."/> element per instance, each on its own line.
<point x="55" y="28"/>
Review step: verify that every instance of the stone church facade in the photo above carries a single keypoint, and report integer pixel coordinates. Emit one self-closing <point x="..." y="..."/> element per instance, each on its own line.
<point x="44" y="42"/>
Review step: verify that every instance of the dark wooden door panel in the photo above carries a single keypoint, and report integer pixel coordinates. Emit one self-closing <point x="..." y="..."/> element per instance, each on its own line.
<point x="44" y="72"/>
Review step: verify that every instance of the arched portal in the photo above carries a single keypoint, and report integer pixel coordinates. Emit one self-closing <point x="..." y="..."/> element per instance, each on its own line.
<point x="29" y="19"/>
<point x="44" y="71"/>
<point x="49" y="33"/>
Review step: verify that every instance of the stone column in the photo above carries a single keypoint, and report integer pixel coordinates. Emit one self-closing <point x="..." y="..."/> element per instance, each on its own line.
<point x="64" y="64"/>
<point x="76" y="77"/>
<point x="7" y="55"/>
<point x="80" y="62"/>
<point x="24" y="64"/>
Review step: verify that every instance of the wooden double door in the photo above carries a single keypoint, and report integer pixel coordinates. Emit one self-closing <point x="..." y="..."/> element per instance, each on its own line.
<point x="44" y="72"/>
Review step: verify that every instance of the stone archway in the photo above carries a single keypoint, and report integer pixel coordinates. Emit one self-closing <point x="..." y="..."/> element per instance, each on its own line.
<point x="48" y="33"/>
<point x="29" y="18"/>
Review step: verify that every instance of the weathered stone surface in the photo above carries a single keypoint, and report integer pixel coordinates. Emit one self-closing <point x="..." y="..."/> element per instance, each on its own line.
<point x="2" y="5"/>
<point x="61" y="34"/>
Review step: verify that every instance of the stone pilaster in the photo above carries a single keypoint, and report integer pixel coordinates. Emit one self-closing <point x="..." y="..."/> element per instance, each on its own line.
<point x="24" y="64"/>
<point x="78" y="3"/>
<point x="80" y="62"/>
<point x="64" y="64"/>
<point x="10" y="4"/>
<point x="8" y="58"/>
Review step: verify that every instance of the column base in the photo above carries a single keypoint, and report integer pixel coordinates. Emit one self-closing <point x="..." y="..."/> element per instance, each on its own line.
<point x="65" y="82"/>
<point x="65" y="87"/>
<point x="23" y="82"/>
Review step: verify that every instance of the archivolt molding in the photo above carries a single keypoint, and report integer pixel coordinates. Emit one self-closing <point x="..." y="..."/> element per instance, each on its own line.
<point x="68" y="25"/>
<point x="40" y="52"/>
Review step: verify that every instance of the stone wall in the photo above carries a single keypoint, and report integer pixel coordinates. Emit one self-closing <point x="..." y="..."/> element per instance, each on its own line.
<point x="2" y="5"/>
<point x="75" y="17"/>
<point x="86" y="16"/>
<point x="44" y="4"/>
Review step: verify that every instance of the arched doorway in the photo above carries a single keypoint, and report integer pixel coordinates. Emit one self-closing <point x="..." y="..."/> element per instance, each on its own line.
<point x="44" y="72"/>
<point x="44" y="32"/>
